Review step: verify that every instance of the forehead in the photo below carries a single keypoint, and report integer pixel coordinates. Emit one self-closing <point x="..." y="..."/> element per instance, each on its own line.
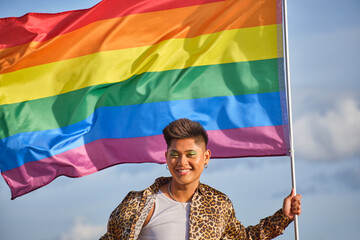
<point x="186" y="144"/>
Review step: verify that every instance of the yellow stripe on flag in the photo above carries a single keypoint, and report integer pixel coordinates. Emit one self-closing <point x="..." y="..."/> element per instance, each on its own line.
<point x="239" y="45"/>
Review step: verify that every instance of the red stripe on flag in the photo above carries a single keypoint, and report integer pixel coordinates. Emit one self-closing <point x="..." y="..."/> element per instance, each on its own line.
<point x="44" y="26"/>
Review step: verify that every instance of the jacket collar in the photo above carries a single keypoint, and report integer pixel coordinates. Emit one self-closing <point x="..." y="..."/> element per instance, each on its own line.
<point x="155" y="187"/>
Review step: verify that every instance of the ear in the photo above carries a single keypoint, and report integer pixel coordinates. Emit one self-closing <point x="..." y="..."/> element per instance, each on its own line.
<point x="207" y="155"/>
<point x="166" y="155"/>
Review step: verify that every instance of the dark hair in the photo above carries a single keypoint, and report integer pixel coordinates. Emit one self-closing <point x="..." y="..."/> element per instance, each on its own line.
<point x="185" y="128"/>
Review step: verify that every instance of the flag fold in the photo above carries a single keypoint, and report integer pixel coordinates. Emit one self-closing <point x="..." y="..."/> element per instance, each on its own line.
<point x="84" y="90"/>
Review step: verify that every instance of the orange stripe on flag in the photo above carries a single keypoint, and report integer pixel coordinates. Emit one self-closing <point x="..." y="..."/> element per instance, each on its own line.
<point x="138" y="30"/>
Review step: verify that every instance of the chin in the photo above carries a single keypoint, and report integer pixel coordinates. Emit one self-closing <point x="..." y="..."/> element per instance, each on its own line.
<point x="185" y="179"/>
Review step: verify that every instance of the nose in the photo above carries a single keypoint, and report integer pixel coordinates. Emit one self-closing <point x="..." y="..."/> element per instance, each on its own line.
<point x="182" y="160"/>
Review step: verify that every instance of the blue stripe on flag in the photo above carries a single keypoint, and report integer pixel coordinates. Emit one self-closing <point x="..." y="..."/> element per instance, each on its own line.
<point x="141" y="120"/>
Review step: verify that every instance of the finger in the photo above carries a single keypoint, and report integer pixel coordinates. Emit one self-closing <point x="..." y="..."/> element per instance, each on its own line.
<point x="296" y="209"/>
<point x="292" y="192"/>
<point x="295" y="202"/>
<point x="296" y="212"/>
<point x="298" y="196"/>
<point x="295" y="199"/>
<point x="291" y="195"/>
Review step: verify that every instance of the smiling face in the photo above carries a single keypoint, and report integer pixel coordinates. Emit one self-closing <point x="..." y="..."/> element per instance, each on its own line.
<point x="186" y="160"/>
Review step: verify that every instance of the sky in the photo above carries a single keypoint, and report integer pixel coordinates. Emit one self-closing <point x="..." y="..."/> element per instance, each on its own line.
<point x="324" y="37"/>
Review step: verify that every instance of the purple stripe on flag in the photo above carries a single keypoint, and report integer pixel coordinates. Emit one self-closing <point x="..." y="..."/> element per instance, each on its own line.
<point x="103" y="153"/>
<point x="245" y="142"/>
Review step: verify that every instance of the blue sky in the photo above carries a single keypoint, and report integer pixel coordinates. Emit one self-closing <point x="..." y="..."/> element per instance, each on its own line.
<point x="324" y="39"/>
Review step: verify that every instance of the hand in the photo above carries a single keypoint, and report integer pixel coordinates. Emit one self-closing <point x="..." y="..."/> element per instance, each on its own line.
<point x="292" y="205"/>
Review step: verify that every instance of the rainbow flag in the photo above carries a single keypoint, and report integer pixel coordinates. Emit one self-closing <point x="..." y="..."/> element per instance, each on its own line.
<point x="84" y="90"/>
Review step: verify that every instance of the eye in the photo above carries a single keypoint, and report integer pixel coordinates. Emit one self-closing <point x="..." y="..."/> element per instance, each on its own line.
<point x="191" y="153"/>
<point x="174" y="154"/>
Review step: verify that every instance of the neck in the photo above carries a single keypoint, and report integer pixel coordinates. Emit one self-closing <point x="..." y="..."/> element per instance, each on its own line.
<point x="180" y="192"/>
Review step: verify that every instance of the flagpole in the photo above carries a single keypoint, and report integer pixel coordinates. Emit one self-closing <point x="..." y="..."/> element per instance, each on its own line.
<point x="288" y="93"/>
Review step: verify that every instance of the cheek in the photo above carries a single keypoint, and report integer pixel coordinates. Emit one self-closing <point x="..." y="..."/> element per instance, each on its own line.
<point x="198" y="162"/>
<point x="170" y="162"/>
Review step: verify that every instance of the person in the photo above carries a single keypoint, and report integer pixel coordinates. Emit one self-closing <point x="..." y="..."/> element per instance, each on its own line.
<point x="180" y="207"/>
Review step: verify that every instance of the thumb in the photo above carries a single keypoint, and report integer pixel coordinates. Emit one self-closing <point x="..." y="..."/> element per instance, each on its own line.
<point x="287" y="204"/>
<point x="292" y="194"/>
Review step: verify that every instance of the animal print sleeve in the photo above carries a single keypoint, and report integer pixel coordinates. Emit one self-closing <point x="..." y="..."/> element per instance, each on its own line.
<point x="268" y="228"/>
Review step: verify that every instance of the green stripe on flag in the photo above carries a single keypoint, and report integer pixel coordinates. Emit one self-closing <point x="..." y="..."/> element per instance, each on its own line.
<point x="190" y="83"/>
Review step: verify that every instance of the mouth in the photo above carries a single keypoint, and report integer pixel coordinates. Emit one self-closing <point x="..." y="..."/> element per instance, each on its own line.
<point x="183" y="171"/>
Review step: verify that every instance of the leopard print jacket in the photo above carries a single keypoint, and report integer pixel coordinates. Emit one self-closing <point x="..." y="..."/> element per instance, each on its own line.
<point x="212" y="216"/>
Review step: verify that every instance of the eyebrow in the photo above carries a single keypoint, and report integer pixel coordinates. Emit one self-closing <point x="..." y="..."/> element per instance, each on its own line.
<point x="191" y="150"/>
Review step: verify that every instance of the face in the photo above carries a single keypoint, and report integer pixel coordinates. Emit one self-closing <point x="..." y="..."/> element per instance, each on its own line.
<point x="186" y="160"/>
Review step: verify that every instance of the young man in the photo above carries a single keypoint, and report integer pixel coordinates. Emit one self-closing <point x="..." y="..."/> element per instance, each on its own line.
<point x="180" y="207"/>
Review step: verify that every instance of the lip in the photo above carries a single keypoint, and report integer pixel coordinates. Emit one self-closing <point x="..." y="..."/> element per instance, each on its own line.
<point x="183" y="171"/>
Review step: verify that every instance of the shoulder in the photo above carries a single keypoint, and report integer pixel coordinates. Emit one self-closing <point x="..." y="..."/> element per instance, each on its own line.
<point x="138" y="195"/>
<point x="133" y="199"/>
<point x="213" y="195"/>
<point x="133" y="196"/>
<point x="212" y="192"/>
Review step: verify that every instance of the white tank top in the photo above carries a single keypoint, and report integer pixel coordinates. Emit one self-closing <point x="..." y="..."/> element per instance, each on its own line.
<point x="170" y="220"/>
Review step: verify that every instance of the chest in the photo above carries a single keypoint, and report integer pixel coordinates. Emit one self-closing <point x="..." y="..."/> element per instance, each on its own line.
<point x="207" y="219"/>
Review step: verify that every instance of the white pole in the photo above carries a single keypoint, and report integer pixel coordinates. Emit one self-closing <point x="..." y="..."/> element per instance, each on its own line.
<point x="288" y="93"/>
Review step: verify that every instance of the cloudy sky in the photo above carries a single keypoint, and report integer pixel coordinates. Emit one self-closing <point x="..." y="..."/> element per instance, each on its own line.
<point x="324" y="37"/>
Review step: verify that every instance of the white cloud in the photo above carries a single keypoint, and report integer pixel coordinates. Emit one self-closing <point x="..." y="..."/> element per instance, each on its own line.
<point x="330" y="135"/>
<point x="83" y="230"/>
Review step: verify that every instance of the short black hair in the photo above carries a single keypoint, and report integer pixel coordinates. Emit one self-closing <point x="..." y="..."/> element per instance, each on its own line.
<point x="185" y="128"/>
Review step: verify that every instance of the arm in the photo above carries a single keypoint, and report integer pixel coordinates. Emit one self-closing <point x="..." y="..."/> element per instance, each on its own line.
<point x="122" y="220"/>
<point x="268" y="228"/>
<point x="112" y="231"/>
